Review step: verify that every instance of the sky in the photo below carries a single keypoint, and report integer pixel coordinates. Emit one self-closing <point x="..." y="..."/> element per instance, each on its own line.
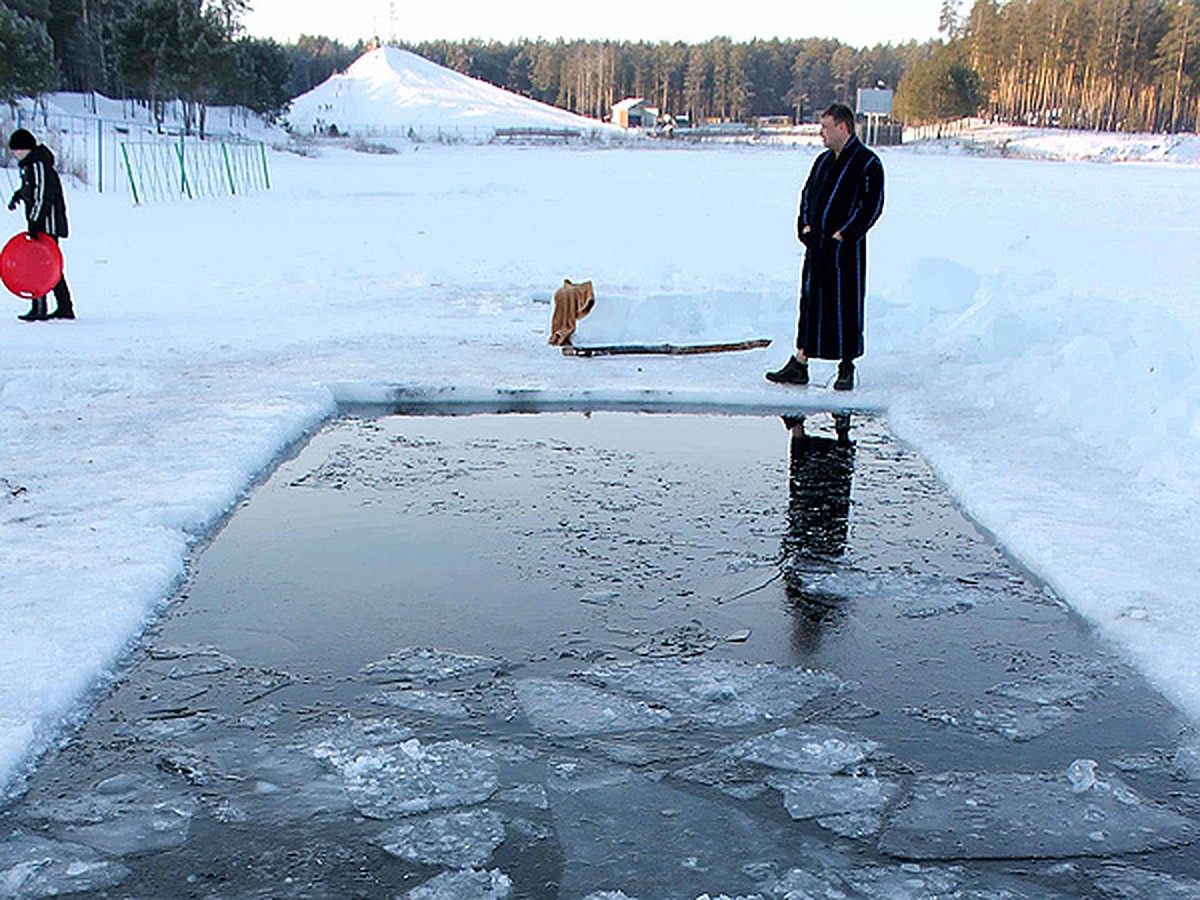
<point x="855" y="22"/>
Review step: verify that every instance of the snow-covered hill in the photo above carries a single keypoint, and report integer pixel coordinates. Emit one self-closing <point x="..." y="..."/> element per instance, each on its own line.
<point x="390" y="91"/>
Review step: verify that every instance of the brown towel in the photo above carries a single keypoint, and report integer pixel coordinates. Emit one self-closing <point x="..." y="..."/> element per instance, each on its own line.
<point x="571" y="303"/>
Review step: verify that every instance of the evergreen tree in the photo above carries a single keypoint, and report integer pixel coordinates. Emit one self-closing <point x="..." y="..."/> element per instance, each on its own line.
<point x="26" y="55"/>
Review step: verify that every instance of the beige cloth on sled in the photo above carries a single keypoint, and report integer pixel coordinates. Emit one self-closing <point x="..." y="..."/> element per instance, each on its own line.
<point x="571" y="303"/>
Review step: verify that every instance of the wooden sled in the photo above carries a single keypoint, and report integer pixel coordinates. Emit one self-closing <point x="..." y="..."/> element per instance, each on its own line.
<point x="662" y="349"/>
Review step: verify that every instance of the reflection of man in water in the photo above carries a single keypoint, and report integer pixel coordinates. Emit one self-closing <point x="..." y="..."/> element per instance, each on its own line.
<point x="820" y="470"/>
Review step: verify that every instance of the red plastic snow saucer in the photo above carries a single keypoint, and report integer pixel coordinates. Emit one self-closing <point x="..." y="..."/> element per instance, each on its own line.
<point x="30" y="267"/>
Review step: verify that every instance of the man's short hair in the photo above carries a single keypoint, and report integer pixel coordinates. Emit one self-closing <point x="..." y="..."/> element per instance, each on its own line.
<point x="840" y="112"/>
<point x="21" y="140"/>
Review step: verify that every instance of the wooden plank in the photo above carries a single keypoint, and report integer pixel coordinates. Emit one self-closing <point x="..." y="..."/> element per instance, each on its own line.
<point x="663" y="349"/>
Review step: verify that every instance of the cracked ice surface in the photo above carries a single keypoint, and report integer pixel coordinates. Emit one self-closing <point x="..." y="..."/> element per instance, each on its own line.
<point x="32" y="866"/>
<point x="816" y="749"/>
<point x="718" y="692"/>
<point x="410" y="777"/>
<point x="460" y="840"/>
<point x="563" y="709"/>
<point x="961" y="815"/>
<point x="467" y="885"/>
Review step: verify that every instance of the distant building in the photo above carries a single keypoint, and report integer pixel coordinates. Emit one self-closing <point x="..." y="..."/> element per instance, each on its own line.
<point x="632" y="112"/>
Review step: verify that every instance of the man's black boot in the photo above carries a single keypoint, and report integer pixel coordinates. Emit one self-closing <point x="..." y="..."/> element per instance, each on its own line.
<point x="845" y="378"/>
<point x="793" y="372"/>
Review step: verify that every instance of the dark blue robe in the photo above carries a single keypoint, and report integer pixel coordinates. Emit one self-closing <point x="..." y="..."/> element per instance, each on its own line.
<point x="844" y="193"/>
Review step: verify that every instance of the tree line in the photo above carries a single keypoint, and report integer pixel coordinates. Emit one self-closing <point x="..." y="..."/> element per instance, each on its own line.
<point x="1105" y="64"/>
<point x="194" y="51"/>
<point x="1115" y="65"/>
<point x="717" y="79"/>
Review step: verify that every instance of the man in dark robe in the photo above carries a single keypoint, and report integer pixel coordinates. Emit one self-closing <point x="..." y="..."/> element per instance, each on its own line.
<point x="842" y="199"/>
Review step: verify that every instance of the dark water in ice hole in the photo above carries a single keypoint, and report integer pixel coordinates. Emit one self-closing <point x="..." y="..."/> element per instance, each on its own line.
<point x="685" y="565"/>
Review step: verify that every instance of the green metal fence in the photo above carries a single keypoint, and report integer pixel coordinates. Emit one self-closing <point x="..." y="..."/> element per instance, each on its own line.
<point x="187" y="168"/>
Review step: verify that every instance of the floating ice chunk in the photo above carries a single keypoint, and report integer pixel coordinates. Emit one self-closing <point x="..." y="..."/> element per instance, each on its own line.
<point x="600" y="598"/>
<point x="921" y="882"/>
<point x="960" y="815"/>
<point x="1132" y="883"/>
<point x="428" y="665"/>
<point x="138" y="829"/>
<point x="126" y="814"/>
<point x="565" y="709"/>
<point x="1187" y="760"/>
<point x="718" y="692"/>
<point x="32" y="866"/>
<point x="407" y="778"/>
<point x="526" y="795"/>
<point x="429" y="702"/>
<point x="817" y="749"/>
<point x="812" y="796"/>
<point x="1019" y="723"/>
<point x="1050" y="688"/>
<point x="459" y="840"/>
<point x="466" y="885"/>
<point x="619" y="830"/>
<point x="858" y="825"/>
<point x="1082" y="775"/>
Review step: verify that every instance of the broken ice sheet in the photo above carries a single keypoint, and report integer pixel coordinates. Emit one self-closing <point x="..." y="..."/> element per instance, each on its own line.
<point x="123" y="815"/>
<point x="390" y="780"/>
<point x="984" y="815"/>
<point x="1133" y="883"/>
<point x="459" y="840"/>
<point x="566" y="709"/>
<point x="1048" y="688"/>
<point x="428" y="665"/>
<point x="812" y="796"/>
<point x="1017" y="722"/>
<point x="816" y="749"/>
<point x="428" y="702"/>
<point x="922" y="882"/>
<point x="718" y="692"/>
<point x="32" y="866"/>
<point x="619" y="830"/>
<point x="465" y="885"/>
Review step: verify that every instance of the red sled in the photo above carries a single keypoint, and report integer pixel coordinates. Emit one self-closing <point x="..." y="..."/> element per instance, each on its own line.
<point x="31" y="267"/>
